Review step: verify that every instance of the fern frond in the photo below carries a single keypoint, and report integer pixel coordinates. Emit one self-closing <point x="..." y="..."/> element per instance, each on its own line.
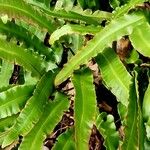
<point x="7" y="122"/>
<point x="5" y="73"/>
<point x="2" y="136"/>
<point x="70" y="29"/>
<point x="120" y="78"/>
<point x="146" y="102"/>
<point x="25" y="35"/>
<point x="14" y="53"/>
<point x="85" y="107"/>
<point x="75" y="14"/>
<point x="14" y="99"/>
<point x="132" y="128"/>
<point x="114" y="3"/>
<point x="108" y="130"/>
<point x="140" y="39"/>
<point x="33" y="109"/>
<point x="119" y="11"/>
<point x="51" y="116"/>
<point x="65" y="141"/>
<point x="21" y="10"/>
<point x="117" y="28"/>
<point x="64" y="4"/>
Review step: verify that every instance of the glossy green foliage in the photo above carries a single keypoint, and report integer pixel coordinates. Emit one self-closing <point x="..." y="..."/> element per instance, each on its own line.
<point x="146" y="110"/>
<point x="29" y="60"/>
<point x="122" y="26"/>
<point x="85" y="107"/>
<point x="24" y="35"/>
<point x="14" y="99"/>
<point x="20" y="9"/>
<point x="5" y="124"/>
<point x="114" y="3"/>
<point x="6" y="72"/>
<point x="72" y="29"/>
<point x="126" y="7"/>
<point x="33" y="110"/>
<point x="133" y="135"/>
<point x="75" y="13"/>
<point x="51" y="116"/>
<point x="80" y="39"/>
<point x="120" y="78"/>
<point x="105" y="125"/>
<point x="66" y="141"/>
<point x="140" y="39"/>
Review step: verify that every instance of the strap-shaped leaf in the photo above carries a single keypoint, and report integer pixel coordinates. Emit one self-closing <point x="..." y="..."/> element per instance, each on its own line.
<point x="146" y="111"/>
<point x="75" y="14"/>
<point x="2" y="136"/>
<point x="32" y="110"/>
<point x="52" y="115"/>
<point x="140" y="39"/>
<point x="117" y="28"/>
<point x="85" y="107"/>
<point x="65" y="141"/>
<point x="6" y="73"/>
<point x="70" y="29"/>
<point x="132" y="127"/>
<point x="146" y="104"/>
<point x="30" y="61"/>
<point x="20" y="9"/>
<point x="25" y="35"/>
<point x="114" y="3"/>
<point x="14" y="99"/>
<point x="125" y="8"/>
<point x="114" y="74"/>
<point x="7" y="122"/>
<point x="108" y="130"/>
<point x="67" y="5"/>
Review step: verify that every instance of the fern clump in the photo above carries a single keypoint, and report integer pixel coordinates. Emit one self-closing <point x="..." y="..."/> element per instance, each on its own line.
<point x="74" y="74"/>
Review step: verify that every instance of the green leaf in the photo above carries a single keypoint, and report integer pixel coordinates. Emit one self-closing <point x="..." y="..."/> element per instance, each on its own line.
<point x="146" y="111"/>
<point x="133" y="57"/>
<point x="108" y="130"/>
<point x="21" y="10"/>
<point x="134" y="138"/>
<point x="29" y="60"/>
<point x="2" y="136"/>
<point x="70" y="29"/>
<point x="7" y="122"/>
<point x="140" y="39"/>
<point x="85" y="107"/>
<point x="82" y="3"/>
<point x="22" y="34"/>
<point x="14" y="99"/>
<point x="65" y="141"/>
<point x="114" y="74"/>
<point x="6" y="73"/>
<point x="67" y="5"/>
<point x="114" y="3"/>
<point x="117" y="28"/>
<point x="76" y="13"/>
<point x="146" y="104"/>
<point x="33" y="109"/>
<point x="51" y="116"/>
<point x="125" y="8"/>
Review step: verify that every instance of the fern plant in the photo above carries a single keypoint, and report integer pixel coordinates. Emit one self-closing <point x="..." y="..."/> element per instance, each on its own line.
<point x="57" y="57"/>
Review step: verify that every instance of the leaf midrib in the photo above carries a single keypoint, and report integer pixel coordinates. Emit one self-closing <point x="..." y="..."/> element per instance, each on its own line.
<point x="38" y="73"/>
<point x="43" y="124"/>
<point x="29" y="14"/>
